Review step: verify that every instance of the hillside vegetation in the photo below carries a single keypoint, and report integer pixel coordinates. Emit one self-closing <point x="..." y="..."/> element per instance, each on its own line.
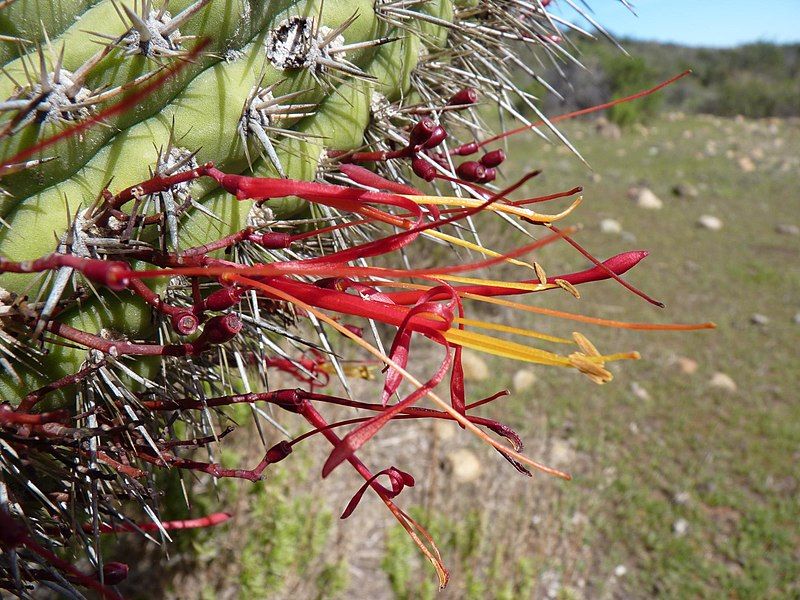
<point x="755" y="80"/>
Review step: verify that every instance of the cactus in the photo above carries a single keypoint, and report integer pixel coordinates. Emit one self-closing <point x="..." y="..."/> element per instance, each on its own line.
<point x="169" y="193"/>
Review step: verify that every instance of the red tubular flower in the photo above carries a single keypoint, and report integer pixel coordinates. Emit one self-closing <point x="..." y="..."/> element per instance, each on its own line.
<point x="619" y="264"/>
<point x="397" y="478"/>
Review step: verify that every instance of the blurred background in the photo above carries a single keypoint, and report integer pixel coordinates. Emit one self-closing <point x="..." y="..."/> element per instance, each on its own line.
<point x="685" y="479"/>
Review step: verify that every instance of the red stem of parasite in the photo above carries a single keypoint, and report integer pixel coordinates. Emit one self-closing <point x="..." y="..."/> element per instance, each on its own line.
<point x="119" y="107"/>
<point x="207" y="521"/>
<point x="585" y="111"/>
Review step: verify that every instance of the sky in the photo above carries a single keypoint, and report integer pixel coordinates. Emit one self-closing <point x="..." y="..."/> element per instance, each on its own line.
<point x="715" y="23"/>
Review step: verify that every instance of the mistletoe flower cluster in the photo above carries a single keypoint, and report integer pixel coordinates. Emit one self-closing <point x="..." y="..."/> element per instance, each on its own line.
<point x="114" y="438"/>
<point x="175" y="288"/>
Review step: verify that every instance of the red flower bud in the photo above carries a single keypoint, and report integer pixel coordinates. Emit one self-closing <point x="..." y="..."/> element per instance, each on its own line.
<point x="220" y="329"/>
<point x="493" y="159"/>
<point x="490" y="175"/>
<point x="437" y="137"/>
<point x="421" y="132"/>
<point x="185" y="323"/>
<point x="465" y="149"/>
<point x="112" y="274"/>
<point x="114" y="573"/>
<point x="272" y="240"/>
<point x="278" y="452"/>
<point x="423" y="169"/>
<point x="471" y="171"/>
<point x="223" y="299"/>
<point x="465" y="96"/>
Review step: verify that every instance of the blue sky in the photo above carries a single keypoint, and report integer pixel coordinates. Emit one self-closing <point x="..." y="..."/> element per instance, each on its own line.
<point x="718" y="23"/>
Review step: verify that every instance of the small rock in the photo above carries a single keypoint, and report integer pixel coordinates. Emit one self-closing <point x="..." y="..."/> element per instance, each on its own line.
<point x="475" y="368"/>
<point x="466" y="466"/>
<point x="645" y="198"/>
<point x="723" y="381"/>
<point x="686" y="365"/>
<point x="692" y="266"/>
<point x="746" y="164"/>
<point x="523" y="380"/>
<point x="685" y="190"/>
<point x="680" y="527"/>
<point x="444" y="430"/>
<point x="710" y="222"/>
<point x="561" y="452"/>
<point x="759" y="319"/>
<point x="638" y="391"/>
<point x="757" y="153"/>
<point x="796" y="318"/>
<point x="608" y="130"/>
<point x="579" y="519"/>
<point x="682" y="498"/>
<point x="610" y="226"/>
<point x="787" y="229"/>
<point x="551" y="583"/>
<point x="620" y="571"/>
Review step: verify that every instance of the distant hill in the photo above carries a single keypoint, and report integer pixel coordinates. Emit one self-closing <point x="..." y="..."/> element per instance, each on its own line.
<point x="756" y="80"/>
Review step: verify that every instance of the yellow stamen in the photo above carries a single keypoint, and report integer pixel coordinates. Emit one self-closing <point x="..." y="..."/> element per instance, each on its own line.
<point x="504" y="348"/>
<point x="568" y="287"/>
<point x="456" y="241"/>
<point x="361" y="371"/>
<point x="540" y="273"/>
<point x="584" y="344"/>
<point x="591" y="369"/>
<point x="514" y="285"/>
<point x="514" y="330"/>
<point x="497" y="207"/>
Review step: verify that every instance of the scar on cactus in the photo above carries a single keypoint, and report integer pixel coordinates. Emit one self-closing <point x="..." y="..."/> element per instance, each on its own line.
<point x="174" y="287"/>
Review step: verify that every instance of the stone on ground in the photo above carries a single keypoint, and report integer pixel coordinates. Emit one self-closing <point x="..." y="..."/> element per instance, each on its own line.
<point x="465" y="465"/>
<point x="645" y="198"/>
<point x="523" y="380"/>
<point x="475" y="368"/>
<point x="610" y="226"/>
<point x="723" y="381"/>
<point x="710" y="222"/>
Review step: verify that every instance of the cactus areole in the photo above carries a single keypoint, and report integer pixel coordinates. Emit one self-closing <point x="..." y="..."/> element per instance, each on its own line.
<point x="198" y="193"/>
